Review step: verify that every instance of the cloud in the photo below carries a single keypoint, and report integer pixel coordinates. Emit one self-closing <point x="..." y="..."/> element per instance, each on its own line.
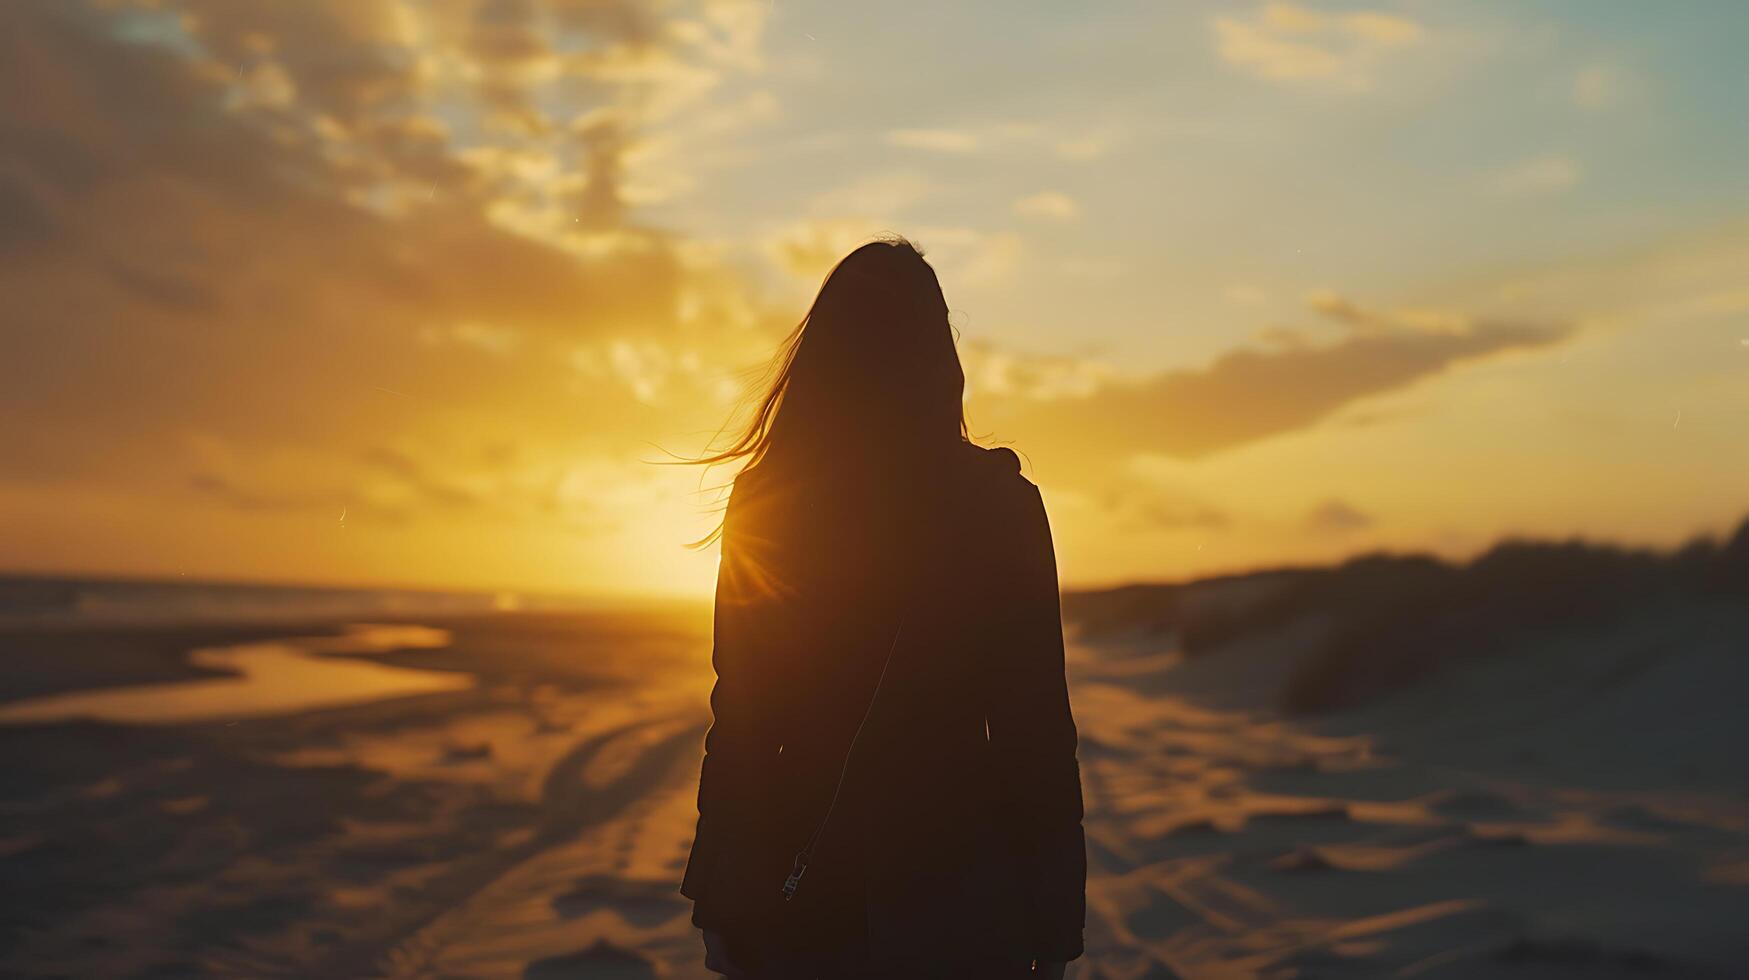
<point x="1548" y="174"/>
<point x="935" y="140"/>
<point x="1342" y="310"/>
<point x="809" y="249"/>
<point x="1166" y="514"/>
<point x="878" y="197"/>
<point x="1386" y="30"/>
<point x="417" y="477"/>
<point x="1337" y="517"/>
<point x="347" y="264"/>
<point x="486" y="337"/>
<point x="991" y="371"/>
<point x="1068" y="139"/>
<point x="1248" y="395"/>
<point x="1147" y="493"/>
<point x="1285" y="42"/>
<point x="1084" y="148"/>
<point x="863" y="209"/>
<point x="228" y="492"/>
<point x="967" y="256"/>
<point x="1048" y="204"/>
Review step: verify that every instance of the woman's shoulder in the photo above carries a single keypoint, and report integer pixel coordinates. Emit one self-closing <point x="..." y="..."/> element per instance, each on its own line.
<point x="996" y="470"/>
<point x="999" y="458"/>
<point x="997" y="462"/>
<point x="1003" y="503"/>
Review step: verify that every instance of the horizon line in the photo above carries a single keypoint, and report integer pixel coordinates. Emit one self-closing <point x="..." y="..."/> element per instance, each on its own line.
<point x="603" y="597"/>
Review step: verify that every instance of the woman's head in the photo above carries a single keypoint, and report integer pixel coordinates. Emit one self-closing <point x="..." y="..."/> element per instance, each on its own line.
<point x="869" y="375"/>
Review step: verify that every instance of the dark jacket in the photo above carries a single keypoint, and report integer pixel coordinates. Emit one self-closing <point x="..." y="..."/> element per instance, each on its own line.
<point x="958" y="827"/>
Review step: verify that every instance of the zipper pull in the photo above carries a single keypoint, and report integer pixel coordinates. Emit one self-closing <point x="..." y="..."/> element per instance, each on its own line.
<point x="795" y="875"/>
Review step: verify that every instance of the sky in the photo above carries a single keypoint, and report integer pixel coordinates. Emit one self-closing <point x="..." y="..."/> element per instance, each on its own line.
<point x="423" y="293"/>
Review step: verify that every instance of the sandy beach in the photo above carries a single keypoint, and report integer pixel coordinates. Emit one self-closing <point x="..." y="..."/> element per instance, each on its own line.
<point x="522" y="804"/>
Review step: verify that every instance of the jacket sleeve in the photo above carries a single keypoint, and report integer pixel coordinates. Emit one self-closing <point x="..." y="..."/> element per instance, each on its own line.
<point x="742" y="741"/>
<point x="1033" y="737"/>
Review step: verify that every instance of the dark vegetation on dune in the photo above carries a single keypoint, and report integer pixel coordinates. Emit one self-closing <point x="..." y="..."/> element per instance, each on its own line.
<point x="1386" y="621"/>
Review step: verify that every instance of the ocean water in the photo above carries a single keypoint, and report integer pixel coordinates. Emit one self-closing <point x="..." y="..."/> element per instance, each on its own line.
<point x="269" y="677"/>
<point x="31" y="600"/>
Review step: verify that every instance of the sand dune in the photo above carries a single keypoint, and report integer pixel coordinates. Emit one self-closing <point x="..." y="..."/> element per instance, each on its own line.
<point x="1406" y="840"/>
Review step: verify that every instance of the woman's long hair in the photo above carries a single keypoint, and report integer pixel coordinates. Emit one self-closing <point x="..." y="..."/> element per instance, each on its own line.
<point x="869" y="377"/>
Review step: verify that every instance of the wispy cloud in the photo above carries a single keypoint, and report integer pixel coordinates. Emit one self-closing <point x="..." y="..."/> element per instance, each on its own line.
<point x="1162" y="512"/>
<point x="962" y="255"/>
<point x="1285" y="42"/>
<point x="1335" y="516"/>
<point x="1084" y="148"/>
<point x="1247" y="395"/>
<point x="808" y="249"/>
<point x="487" y="337"/>
<point x="936" y="140"/>
<point x="992" y="371"/>
<point x="877" y="197"/>
<point x="1054" y="205"/>
<point x="1071" y="140"/>
<point x="1547" y="174"/>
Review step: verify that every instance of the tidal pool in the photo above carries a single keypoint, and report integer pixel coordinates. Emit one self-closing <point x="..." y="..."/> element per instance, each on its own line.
<point x="273" y="677"/>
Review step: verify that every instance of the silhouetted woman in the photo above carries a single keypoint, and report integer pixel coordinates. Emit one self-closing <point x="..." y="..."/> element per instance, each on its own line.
<point x="889" y="786"/>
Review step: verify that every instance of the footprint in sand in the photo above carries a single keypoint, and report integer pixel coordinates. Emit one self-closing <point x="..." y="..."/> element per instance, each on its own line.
<point x="643" y="904"/>
<point x="602" y="961"/>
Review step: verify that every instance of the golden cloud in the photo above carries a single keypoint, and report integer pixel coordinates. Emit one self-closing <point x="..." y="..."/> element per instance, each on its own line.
<point x="1286" y="42"/>
<point x="1248" y="395"/>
